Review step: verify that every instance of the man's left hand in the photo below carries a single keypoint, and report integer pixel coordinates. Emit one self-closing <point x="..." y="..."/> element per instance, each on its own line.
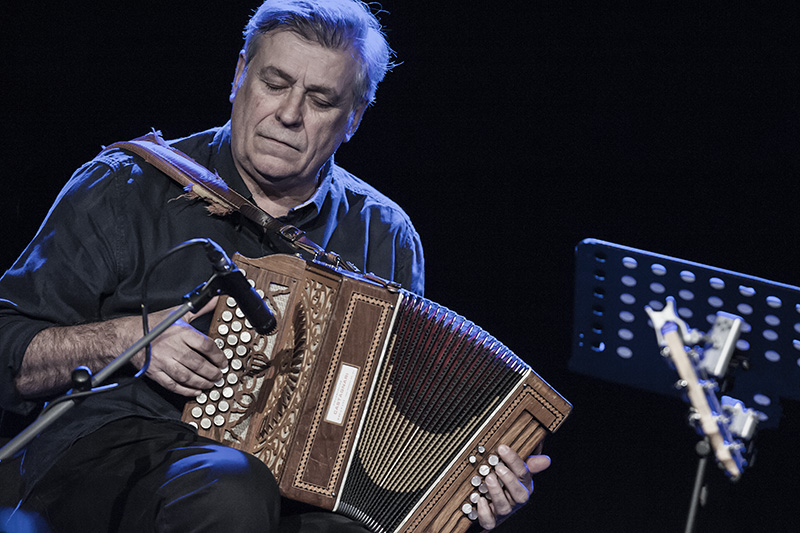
<point x="515" y="490"/>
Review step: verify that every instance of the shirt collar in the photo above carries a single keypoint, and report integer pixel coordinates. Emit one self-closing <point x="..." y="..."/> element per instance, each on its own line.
<point x="222" y="162"/>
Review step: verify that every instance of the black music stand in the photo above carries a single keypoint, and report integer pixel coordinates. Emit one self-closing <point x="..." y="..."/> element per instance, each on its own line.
<point x="613" y="339"/>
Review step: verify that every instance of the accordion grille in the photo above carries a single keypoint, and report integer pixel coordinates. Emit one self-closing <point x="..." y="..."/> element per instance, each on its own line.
<point x="441" y="379"/>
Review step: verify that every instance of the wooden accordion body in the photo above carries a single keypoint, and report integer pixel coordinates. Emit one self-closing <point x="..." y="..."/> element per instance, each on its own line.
<point x="369" y="400"/>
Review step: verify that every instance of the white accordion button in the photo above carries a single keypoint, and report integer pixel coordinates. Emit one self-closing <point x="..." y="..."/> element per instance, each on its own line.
<point x="202" y="398"/>
<point x="223" y="406"/>
<point x="223" y="329"/>
<point x="219" y="420"/>
<point x="236" y="326"/>
<point x="214" y="395"/>
<point x="197" y="412"/>
<point x="227" y="316"/>
<point x="205" y="423"/>
<point x="227" y="392"/>
<point x="245" y="336"/>
<point x="210" y="409"/>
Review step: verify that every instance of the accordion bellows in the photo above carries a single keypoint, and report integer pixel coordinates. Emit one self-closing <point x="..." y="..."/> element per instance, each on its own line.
<point x="369" y="400"/>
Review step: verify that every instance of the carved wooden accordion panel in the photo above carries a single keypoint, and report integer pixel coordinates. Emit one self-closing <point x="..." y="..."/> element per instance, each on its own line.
<point x="368" y="400"/>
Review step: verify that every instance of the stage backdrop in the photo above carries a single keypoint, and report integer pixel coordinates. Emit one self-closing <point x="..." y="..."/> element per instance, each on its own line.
<point x="509" y="132"/>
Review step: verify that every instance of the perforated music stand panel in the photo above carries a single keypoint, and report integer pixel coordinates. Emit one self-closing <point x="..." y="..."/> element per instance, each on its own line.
<point x="613" y="339"/>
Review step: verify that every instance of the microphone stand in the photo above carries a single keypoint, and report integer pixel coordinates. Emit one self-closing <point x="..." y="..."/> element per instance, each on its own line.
<point x="194" y="300"/>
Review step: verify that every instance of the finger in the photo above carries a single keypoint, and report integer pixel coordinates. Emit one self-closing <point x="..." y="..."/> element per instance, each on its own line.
<point x="187" y="369"/>
<point x="513" y="461"/>
<point x="501" y="504"/>
<point x="200" y="365"/>
<point x="538" y="463"/>
<point x="486" y="517"/>
<point x="164" y="379"/>
<point x="517" y="488"/>
<point x="208" y="308"/>
<point x="206" y="347"/>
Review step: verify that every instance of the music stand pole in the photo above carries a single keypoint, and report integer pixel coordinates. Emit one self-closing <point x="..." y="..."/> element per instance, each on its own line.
<point x="703" y="448"/>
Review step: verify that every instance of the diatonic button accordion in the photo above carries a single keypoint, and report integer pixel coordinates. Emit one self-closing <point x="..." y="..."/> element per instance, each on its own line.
<point x="369" y="400"/>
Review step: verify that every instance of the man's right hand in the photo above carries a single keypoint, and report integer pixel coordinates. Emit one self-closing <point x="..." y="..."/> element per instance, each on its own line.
<point x="184" y="360"/>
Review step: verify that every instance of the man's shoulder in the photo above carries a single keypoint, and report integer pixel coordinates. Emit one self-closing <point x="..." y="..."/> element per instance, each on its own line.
<point x="359" y="191"/>
<point x="114" y="163"/>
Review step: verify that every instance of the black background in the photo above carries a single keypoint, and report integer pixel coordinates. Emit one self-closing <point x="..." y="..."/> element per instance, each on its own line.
<point x="510" y="132"/>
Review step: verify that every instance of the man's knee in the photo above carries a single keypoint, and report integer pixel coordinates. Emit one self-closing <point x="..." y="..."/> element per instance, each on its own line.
<point x="220" y="481"/>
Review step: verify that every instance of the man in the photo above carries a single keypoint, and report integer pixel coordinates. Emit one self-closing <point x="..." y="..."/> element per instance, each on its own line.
<point x="122" y="460"/>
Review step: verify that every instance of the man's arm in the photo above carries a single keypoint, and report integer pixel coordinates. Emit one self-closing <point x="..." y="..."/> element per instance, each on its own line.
<point x="183" y="360"/>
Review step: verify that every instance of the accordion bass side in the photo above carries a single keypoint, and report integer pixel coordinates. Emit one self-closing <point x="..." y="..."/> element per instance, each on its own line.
<point x="369" y="400"/>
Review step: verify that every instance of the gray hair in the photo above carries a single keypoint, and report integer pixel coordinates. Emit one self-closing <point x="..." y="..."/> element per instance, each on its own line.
<point x="336" y="24"/>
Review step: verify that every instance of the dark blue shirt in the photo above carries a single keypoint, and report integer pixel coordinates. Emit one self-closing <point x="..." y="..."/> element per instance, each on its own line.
<point x="117" y="215"/>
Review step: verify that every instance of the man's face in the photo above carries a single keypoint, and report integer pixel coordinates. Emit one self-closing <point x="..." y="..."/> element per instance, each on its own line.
<point x="292" y="108"/>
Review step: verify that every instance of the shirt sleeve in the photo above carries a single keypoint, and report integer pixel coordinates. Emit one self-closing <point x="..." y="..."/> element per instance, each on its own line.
<point x="62" y="275"/>
<point x="410" y="262"/>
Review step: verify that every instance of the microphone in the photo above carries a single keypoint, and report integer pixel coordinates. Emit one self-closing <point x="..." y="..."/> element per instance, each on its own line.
<point x="230" y="280"/>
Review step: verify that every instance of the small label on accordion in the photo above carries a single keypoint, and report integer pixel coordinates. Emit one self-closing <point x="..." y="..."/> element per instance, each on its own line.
<point x="342" y="392"/>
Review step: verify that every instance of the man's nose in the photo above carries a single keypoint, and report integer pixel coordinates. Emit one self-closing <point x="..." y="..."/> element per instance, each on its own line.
<point x="290" y="110"/>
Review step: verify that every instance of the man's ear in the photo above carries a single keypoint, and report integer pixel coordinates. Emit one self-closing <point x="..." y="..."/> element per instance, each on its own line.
<point x="358" y="113"/>
<point x="238" y="76"/>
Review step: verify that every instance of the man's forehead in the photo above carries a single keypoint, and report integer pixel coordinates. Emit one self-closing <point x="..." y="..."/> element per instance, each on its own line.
<point x="289" y="55"/>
